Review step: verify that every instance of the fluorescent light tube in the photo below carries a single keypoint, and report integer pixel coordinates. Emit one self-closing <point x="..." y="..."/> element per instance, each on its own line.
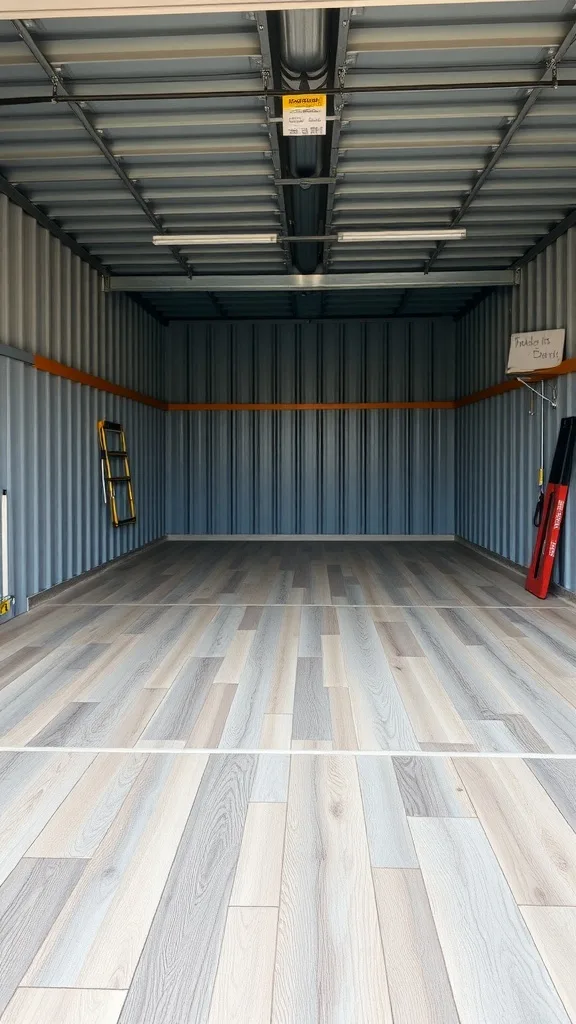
<point x="408" y="235"/>
<point x="215" y="239"/>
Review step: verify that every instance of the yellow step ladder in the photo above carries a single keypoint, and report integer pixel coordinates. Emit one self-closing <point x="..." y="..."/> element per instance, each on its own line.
<point x="116" y="471"/>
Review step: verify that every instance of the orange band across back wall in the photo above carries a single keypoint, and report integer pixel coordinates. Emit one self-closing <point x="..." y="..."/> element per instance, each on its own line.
<point x="101" y="384"/>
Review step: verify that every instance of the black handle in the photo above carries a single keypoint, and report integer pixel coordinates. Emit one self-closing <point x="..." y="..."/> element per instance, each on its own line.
<point x="538" y="510"/>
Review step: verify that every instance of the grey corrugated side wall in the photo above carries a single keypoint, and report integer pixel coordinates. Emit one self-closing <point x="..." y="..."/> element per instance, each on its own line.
<point x="312" y="472"/>
<point x="51" y="303"/>
<point x="497" y="441"/>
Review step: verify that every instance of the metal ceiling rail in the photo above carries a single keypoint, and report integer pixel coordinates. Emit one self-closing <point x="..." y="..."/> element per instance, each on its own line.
<point x="560" y="229"/>
<point x="58" y="83"/>
<point x="309" y="282"/>
<point x="549" y="78"/>
<point x="260" y="94"/>
<point x="340" y="69"/>
<point x="267" y="71"/>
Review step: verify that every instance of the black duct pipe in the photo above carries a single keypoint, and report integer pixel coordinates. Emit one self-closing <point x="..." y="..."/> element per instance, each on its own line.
<point x="304" y="60"/>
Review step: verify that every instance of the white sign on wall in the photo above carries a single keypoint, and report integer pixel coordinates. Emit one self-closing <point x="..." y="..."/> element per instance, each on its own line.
<point x="304" y="114"/>
<point x="535" y="350"/>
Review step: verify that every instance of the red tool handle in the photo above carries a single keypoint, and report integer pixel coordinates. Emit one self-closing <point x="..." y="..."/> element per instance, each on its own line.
<point x="542" y="565"/>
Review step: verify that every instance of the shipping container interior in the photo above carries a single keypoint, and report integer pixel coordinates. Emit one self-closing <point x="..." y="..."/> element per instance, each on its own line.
<point x="268" y="493"/>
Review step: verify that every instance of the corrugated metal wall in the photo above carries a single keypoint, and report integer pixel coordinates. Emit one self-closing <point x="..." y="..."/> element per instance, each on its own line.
<point x="348" y="472"/>
<point x="51" y="303"/>
<point x="498" y="442"/>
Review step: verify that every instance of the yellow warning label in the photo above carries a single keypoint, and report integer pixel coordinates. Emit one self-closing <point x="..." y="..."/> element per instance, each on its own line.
<point x="304" y="101"/>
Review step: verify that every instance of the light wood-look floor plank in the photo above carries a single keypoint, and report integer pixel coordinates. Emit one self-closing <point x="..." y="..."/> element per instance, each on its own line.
<point x="67" y="1006"/>
<point x="188" y="928"/>
<point x="313" y="887"/>
<point x="243" y="985"/>
<point x="419" y="986"/>
<point x="554" y="932"/>
<point x="222" y="644"/>
<point x="494" y="967"/>
<point x="535" y="845"/>
<point x="329" y="965"/>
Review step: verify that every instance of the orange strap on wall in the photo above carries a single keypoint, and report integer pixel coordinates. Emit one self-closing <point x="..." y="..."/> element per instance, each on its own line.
<point x="80" y="377"/>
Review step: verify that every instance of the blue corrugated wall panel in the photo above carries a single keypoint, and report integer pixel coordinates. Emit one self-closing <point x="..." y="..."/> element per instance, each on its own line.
<point x="311" y="472"/>
<point x="50" y="465"/>
<point x="498" y="441"/>
<point x="52" y="304"/>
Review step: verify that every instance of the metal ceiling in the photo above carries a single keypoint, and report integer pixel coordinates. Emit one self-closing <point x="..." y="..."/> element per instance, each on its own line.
<point x="497" y="159"/>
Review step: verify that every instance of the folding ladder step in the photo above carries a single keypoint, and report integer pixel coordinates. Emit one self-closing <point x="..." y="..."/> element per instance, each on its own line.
<point x="110" y="479"/>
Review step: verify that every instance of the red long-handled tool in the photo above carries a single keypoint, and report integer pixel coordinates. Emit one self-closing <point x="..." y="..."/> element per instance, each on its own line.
<point x="542" y="565"/>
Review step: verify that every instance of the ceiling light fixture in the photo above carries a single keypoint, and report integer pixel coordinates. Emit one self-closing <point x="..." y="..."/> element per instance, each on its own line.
<point x="215" y="239"/>
<point x="408" y="235"/>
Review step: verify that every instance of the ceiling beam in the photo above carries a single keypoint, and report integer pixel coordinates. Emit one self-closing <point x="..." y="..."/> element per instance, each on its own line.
<point x="218" y="306"/>
<point x="269" y="78"/>
<point x="546" y="240"/>
<point x="310" y="282"/>
<point x="496" y="156"/>
<point x="340" y="69"/>
<point x="402" y="306"/>
<point x="58" y="84"/>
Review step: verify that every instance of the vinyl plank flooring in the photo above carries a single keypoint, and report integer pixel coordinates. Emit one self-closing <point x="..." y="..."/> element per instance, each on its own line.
<point x="431" y="712"/>
<point x="344" y="736"/>
<point x="276" y="732"/>
<point x="23" y="818"/>
<point x="380" y="716"/>
<point x="431" y="788"/>
<point x="207" y="731"/>
<point x="74" y="947"/>
<point x="243" y="985"/>
<point x="67" y="1006"/>
<point x="311" y="719"/>
<point x="494" y="968"/>
<point x="81" y="822"/>
<point x="250" y="704"/>
<point x="227" y="638"/>
<point x="366" y="891"/>
<point x="19" y="662"/>
<point x="558" y="778"/>
<point x="554" y="932"/>
<point x="263" y="840"/>
<point x="420" y="990"/>
<point x="329" y="967"/>
<point x="179" y="711"/>
<point x="271" y="779"/>
<point x="389" y="838"/>
<point x="189" y="924"/>
<point x="526" y="830"/>
<point x="471" y="692"/>
<point x="31" y="899"/>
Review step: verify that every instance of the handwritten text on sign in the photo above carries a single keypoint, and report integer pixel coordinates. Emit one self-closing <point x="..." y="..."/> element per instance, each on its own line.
<point x="535" y="350"/>
<point x="304" y="114"/>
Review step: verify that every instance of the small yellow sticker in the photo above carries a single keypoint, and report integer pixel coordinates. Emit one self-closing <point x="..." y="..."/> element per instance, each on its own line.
<point x="308" y="101"/>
